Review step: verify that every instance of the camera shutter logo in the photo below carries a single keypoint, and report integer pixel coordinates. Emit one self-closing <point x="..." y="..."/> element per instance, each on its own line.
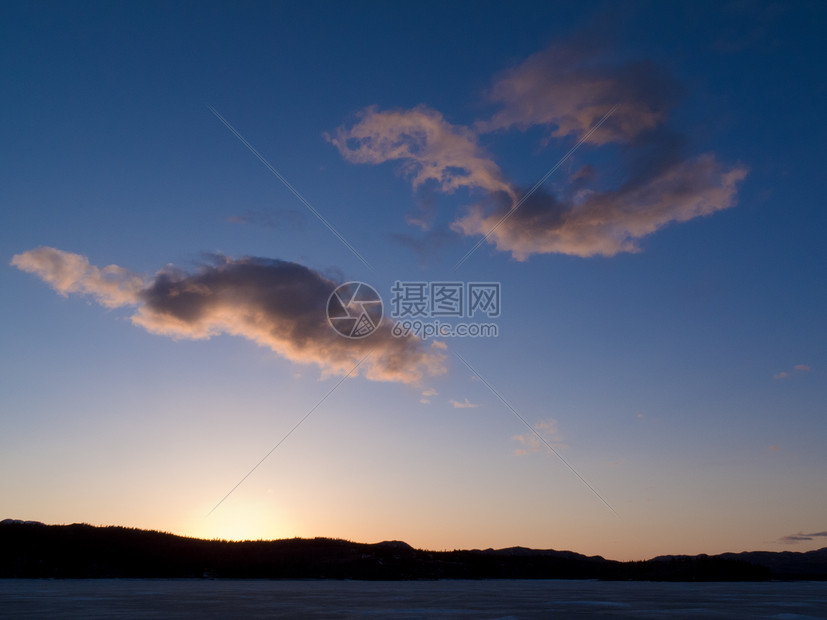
<point x="354" y="309"/>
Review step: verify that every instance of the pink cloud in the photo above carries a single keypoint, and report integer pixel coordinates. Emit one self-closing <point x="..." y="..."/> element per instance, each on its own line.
<point x="610" y="222"/>
<point x="466" y="404"/>
<point x="532" y="443"/>
<point x="430" y="149"/>
<point x="111" y="286"/>
<point x="797" y="368"/>
<point x="569" y="89"/>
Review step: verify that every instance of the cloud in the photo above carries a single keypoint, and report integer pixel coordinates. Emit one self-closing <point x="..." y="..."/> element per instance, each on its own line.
<point x="566" y="89"/>
<point x="531" y="443"/>
<point x="431" y="149"/>
<point x="610" y="222"/>
<point x="463" y="405"/>
<point x="427" y="393"/>
<point x="569" y="88"/>
<point x="276" y="304"/>
<point x="785" y="374"/>
<point x="111" y="286"/>
<point x="801" y="537"/>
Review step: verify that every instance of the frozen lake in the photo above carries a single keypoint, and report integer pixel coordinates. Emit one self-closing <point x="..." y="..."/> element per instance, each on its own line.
<point x="117" y="598"/>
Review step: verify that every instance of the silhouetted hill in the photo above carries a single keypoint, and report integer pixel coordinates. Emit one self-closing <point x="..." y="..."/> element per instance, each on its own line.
<point x="794" y="565"/>
<point x="31" y="549"/>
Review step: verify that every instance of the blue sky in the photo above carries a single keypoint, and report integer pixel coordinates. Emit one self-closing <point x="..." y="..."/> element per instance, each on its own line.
<point x="663" y="292"/>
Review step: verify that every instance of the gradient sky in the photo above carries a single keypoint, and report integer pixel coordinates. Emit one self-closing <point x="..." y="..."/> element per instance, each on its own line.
<point x="663" y="292"/>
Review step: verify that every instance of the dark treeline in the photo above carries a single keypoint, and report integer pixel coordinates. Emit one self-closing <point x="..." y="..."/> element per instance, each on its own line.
<point x="32" y="550"/>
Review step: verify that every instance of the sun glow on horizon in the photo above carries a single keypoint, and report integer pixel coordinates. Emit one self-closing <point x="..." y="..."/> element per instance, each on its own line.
<point x="239" y="521"/>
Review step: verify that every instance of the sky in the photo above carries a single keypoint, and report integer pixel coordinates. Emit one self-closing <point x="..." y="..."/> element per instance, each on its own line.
<point x="184" y="186"/>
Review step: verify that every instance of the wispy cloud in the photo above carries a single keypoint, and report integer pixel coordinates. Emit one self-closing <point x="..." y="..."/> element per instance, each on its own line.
<point x="792" y="539"/>
<point x="111" y="286"/>
<point x="430" y="149"/>
<point x="276" y="304"/>
<point x="785" y="374"/>
<point x="568" y="88"/>
<point x="426" y="395"/>
<point x="531" y="443"/>
<point x="466" y="404"/>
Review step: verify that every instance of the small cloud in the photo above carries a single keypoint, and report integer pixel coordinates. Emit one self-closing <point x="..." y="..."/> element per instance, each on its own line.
<point x="787" y="373"/>
<point x="792" y="539"/>
<point x="545" y="432"/>
<point x="567" y="88"/>
<point x="775" y="448"/>
<point x="430" y="149"/>
<point x="474" y="378"/>
<point x="426" y="394"/>
<point x="65" y="272"/>
<point x="463" y="405"/>
<point x="640" y="416"/>
<point x="438" y="344"/>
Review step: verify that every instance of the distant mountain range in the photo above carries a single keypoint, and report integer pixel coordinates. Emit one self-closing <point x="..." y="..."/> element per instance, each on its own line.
<point x="29" y="549"/>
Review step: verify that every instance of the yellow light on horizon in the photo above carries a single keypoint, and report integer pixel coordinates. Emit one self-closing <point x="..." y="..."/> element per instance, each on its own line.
<point x="241" y="520"/>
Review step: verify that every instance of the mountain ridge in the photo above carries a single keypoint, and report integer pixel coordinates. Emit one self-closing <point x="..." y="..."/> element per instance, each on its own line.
<point x="30" y="549"/>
